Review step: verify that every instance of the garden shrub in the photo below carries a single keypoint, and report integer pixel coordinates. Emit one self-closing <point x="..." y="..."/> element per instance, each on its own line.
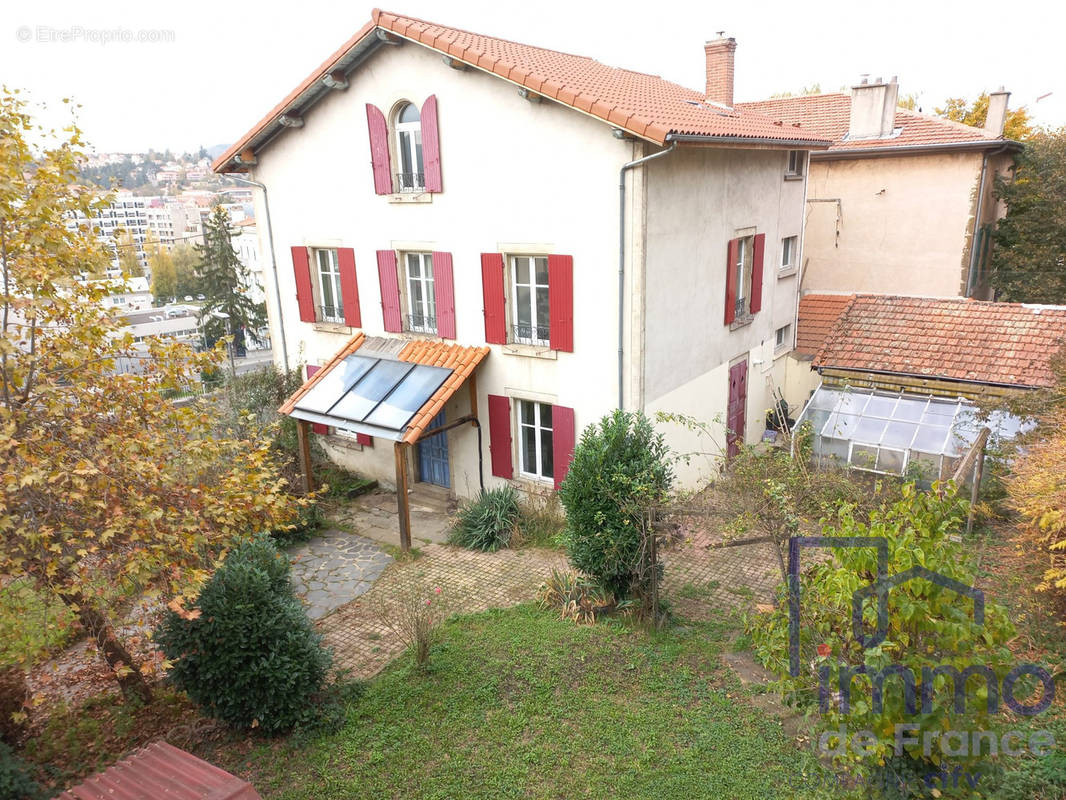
<point x="246" y="651"/>
<point x="928" y="626"/>
<point x="620" y="468"/>
<point x="309" y="519"/>
<point x="14" y="692"/>
<point x="15" y="780"/>
<point x="487" y="522"/>
<point x="542" y="521"/>
<point x="574" y="597"/>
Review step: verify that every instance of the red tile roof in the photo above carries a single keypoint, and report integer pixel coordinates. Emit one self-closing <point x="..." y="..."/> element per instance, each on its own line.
<point x="818" y="314"/>
<point x="829" y="114"/>
<point x="461" y="360"/>
<point x="162" y="770"/>
<point x="644" y="105"/>
<point x="954" y="339"/>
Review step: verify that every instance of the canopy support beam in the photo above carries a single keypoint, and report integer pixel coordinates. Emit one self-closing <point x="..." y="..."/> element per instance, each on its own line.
<point x="403" y="502"/>
<point x="303" y="439"/>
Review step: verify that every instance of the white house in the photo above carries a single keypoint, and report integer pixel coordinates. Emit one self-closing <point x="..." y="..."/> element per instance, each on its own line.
<point x="462" y="193"/>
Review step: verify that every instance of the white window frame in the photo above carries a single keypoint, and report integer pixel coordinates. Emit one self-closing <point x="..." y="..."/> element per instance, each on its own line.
<point x="539" y="429"/>
<point x="427" y="308"/>
<point x="744" y="265"/>
<point x="409" y="144"/>
<point x="328" y="271"/>
<point x="795" y="163"/>
<point x="789" y="249"/>
<point x="517" y="335"/>
<point x="783" y="338"/>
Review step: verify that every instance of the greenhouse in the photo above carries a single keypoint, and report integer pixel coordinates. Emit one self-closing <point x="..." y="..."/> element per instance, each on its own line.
<point x="895" y="433"/>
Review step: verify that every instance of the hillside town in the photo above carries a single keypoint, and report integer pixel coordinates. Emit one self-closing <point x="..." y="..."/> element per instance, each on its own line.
<point x="712" y="448"/>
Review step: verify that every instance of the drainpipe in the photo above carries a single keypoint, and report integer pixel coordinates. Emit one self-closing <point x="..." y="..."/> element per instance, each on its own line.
<point x="622" y="253"/>
<point x="273" y="262"/>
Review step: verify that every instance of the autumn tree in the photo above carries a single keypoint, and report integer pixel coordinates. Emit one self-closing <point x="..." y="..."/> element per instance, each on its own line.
<point x="228" y="310"/>
<point x="1029" y="258"/>
<point x="1018" y="125"/>
<point x="129" y="262"/>
<point x="185" y="260"/>
<point x="161" y="267"/>
<point x="109" y="491"/>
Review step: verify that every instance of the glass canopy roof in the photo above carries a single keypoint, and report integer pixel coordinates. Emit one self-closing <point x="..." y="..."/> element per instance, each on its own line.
<point x="896" y="433"/>
<point x="377" y="396"/>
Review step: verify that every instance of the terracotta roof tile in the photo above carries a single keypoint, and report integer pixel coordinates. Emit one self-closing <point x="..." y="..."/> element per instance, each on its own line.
<point x="652" y="106"/>
<point x="954" y="339"/>
<point x="818" y="314"/>
<point x="829" y="115"/>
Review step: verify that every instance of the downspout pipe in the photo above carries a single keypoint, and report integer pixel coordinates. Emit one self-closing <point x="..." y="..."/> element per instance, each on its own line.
<point x="622" y="255"/>
<point x="273" y="262"/>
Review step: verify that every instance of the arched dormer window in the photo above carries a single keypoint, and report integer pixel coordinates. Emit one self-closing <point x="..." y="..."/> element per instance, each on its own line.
<point x="408" y="126"/>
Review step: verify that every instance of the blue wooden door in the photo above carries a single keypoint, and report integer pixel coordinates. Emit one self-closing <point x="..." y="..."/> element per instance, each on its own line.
<point x="433" y="457"/>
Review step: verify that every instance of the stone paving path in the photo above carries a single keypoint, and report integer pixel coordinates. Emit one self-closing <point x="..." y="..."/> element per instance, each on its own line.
<point x="469" y="581"/>
<point x="333" y="568"/>
<point x="373" y="515"/>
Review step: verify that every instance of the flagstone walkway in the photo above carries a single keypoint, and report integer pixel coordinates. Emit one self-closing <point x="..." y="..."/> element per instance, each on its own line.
<point x="334" y="568"/>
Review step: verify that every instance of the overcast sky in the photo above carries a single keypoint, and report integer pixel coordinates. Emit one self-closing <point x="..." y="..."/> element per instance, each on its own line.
<point x="229" y="63"/>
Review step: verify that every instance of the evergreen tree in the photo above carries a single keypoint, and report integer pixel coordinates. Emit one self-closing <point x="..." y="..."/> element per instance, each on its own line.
<point x="224" y="280"/>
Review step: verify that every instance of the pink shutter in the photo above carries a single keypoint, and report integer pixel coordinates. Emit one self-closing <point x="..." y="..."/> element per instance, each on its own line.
<point x="431" y="145"/>
<point x="390" y="291"/>
<point x="379" y="149"/>
<point x="561" y="302"/>
<point x="500" y="436"/>
<point x="492" y="289"/>
<point x="364" y="439"/>
<point x="305" y="297"/>
<point x="444" y="294"/>
<point x="349" y="286"/>
<point x="316" y="427"/>
<point x="756" y="272"/>
<point x="731" y="280"/>
<point x="563" y="440"/>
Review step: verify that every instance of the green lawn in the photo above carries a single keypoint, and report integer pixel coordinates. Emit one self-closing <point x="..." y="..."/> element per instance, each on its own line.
<point x="520" y="704"/>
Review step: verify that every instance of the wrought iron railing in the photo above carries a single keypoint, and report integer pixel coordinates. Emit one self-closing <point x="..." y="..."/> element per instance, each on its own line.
<point x="421" y="323"/>
<point x="330" y="314"/>
<point x="410" y="181"/>
<point x="742" y="309"/>
<point x="531" y="334"/>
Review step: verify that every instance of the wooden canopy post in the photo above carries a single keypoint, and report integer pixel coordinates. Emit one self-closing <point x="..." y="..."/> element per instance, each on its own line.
<point x="303" y="439"/>
<point x="403" y="502"/>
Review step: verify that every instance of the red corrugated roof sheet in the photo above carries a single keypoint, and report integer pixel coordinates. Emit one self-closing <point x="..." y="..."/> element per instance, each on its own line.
<point x="954" y="339"/>
<point x="645" y="105"/>
<point x="829" y="116"/>
<point x="162" y="771"/>
<point x="818" y="314"/>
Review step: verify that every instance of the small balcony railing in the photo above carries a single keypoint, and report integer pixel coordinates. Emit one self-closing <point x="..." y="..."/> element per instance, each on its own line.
<point x="531" y="334"/>
<point x="330" y="314"/>
<point x="410" y="182"/>
<point x="420" y="323"/>
<point x="742" y="309"/>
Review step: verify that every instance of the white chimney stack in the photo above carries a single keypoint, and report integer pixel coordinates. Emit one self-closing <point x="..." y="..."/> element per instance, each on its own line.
<point x="873" y="109"/>
<point x="997" y="112"/>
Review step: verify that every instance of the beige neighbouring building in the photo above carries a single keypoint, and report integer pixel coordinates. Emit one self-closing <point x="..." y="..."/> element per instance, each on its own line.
<point x="446" y="200"/>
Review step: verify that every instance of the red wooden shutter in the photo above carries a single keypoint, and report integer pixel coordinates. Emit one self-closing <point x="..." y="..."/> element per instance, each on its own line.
<point x="316" y="427"/>
<point x="563" y="440"/>
<point x="500" y="436"/>
<point x="444" y="294"/>
<point x="305" y="297"/>
<point x="390" y="291"/>
<point x="365" y="439"/>
<point x="756" y="272"/>
<point x="349" y="286"/>
<point x="431" y="145"/>
<point x="731" y="281"/>
<point x="379" y="149"/>
<point x="492" y="289"/>
<point x="561" y="302"/>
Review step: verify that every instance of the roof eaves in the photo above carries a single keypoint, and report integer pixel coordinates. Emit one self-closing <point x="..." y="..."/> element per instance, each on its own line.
<point x="838" y="154"/>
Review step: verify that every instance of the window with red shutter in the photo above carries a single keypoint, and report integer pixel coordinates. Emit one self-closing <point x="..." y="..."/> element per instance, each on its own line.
<point x="349" y="287"/>
<point x="561" y="302"/>
<point x="492" y="291"/>
<point x="731" y="281"/>
<point x="500" y="436"/>
<point x="563" y="441"/>
<point x="444" y="294"/>
<point x="305" y="297"/>
<point x="390" y="291"/>
<point x="379" y="149"/>
<point x="431" y="145"/>
<point x="366" y="440"/>
<point x="756" y="272"/>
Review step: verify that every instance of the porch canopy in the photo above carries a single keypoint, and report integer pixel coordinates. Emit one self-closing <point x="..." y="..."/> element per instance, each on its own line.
<point x="896" y="433"/>
<point x="388" y="389"/>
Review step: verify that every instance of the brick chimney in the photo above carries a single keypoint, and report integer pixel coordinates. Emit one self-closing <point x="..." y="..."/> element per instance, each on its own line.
<point x="873" y="109"/>
<point x="720" y="69"/>
<point x="997" y="112"/>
